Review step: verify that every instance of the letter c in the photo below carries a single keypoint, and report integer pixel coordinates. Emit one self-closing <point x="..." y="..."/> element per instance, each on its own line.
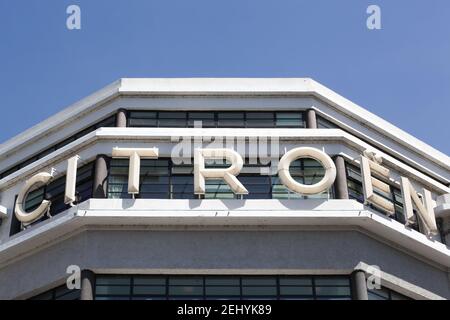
<point x="28" y="217"/>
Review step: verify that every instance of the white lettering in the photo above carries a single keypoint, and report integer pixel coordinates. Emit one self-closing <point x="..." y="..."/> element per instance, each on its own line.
<point x="323" y="185"/>
<point x="135" y="155"/>
<point x="228" y="174"/>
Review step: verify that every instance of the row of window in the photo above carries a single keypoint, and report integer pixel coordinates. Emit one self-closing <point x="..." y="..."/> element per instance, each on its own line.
<point x="221" y="287"/>
<point x="221" y="119"/>
<point x="108" y="122"/>
<point x="355" y="191"/>
<point x="162" y="179"/>
<point x="54" y="192"/>
<point x="168" y="119"/>
<point x="152" y="287"/>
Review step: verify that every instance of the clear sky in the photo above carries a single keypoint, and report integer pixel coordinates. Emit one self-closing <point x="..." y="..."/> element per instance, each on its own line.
<point x="401" y="72"/>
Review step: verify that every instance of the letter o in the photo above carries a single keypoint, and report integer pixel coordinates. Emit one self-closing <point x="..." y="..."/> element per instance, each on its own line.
<point x="306" y="152"/>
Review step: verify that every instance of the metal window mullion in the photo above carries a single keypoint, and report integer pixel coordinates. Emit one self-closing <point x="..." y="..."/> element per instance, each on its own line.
<point x="313" y="282"/>
<point x="131" y="291"/>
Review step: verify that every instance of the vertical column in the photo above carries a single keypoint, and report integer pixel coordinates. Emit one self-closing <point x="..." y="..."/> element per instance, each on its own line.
<point x="340" y="184"/>
<point x="311" y="120"/>
<point x="359" y="285"/>
<point x="442" y="212"/>
<point x="444" y="229"/>
<point x="87" y="285"/>
<point x="100" y="177"/>
<point x="121" y="118"/>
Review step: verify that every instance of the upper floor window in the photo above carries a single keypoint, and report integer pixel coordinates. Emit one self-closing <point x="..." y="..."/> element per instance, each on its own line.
<point x="108" y="122"/>
<point x="219" y="119"/>
<point x="54" y="192"/>
<point x="355" y="191"/>
<point x="323" y="123"/>
<point x="59" y="293"/>
<point x="162" y="179"/>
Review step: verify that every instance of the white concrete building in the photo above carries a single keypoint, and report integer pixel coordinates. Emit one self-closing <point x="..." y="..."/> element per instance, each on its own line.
<point x="317" y="199"/>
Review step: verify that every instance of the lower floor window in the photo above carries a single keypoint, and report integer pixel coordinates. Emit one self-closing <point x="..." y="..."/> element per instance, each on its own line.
<point x="141" y="287"/>
<point x="385" y="294"/>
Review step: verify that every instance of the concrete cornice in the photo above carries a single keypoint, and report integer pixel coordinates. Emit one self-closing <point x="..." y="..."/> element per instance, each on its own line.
<point x="227" y="87"/>
<point x="347" y="214"/>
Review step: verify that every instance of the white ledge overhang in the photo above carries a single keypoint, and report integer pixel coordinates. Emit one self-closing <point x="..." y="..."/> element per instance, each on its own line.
<point x="149" y="213"/>
<point x="167" y="134"/>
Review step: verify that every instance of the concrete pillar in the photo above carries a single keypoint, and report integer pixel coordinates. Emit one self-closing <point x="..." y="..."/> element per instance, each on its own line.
<point x="87" y="285"/>
<point x="359" y="285"/>
<point x="100" y="177"/>
<point x="340" y="184"/>
<point x="121" y="118"/>
<point x="442" y="211"/>
<point x="311" y="120"/>
<point x="444" y="229"/>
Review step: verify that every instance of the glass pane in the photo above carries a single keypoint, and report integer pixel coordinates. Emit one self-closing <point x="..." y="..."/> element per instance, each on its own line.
<point x="381" y="293"/>
<point x="143" y="114"/>
<point x="150" y="280"/>
<point x="223" y="291"/>
<point x="259" y="281"/>
<point x="113" y="280"/>
<point x="332" y="282"/>
<point x="296" y="281"/>
<point x="172" y="115"/>
<point x="231" y="119"/>
<point x="222" y="281"/>
<point x="373" y="296"/>
<point x="143" y="123"/>
<point x="194" y="281"/>
<point x="112" y="290"/>
<point x="186" y="291"/>
<point x="149" y="290"/>
<point x="259" y="291"/>
<point x="289" y="119"/>
<point x="332" y="291"/>
<point x="296" y="291"/>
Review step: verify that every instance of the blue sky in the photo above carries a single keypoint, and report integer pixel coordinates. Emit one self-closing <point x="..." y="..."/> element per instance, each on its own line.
<point x="401" y="73"/>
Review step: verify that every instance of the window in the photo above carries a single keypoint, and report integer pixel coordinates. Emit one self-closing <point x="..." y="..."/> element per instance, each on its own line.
<point x="162" y="179"/>
<point x="323" y="123"/>
<point x="289" y="120"/>
<point x="385" y="294"/>
<point x="355" y="191"/>
<point x="54" y="192"/>
<point x="218" y="119"/>
<point x="149" y="287"/>
<point x="260" y="120"/>
<point x="230" y="120"/>
<point x="304" y="171"/>
<point x="59" y="293"/>
<point x="206" y="119"/>
<point x="172" y="119"/>
<point x="108" y="122"/>
<point x="139" y="119"/>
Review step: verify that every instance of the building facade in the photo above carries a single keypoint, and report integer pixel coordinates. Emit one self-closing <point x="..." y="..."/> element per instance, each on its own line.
<point x="222" y="189"/>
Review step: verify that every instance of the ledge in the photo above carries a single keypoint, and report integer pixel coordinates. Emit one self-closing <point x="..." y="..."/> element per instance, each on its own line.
<point x="298" y="214"/>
